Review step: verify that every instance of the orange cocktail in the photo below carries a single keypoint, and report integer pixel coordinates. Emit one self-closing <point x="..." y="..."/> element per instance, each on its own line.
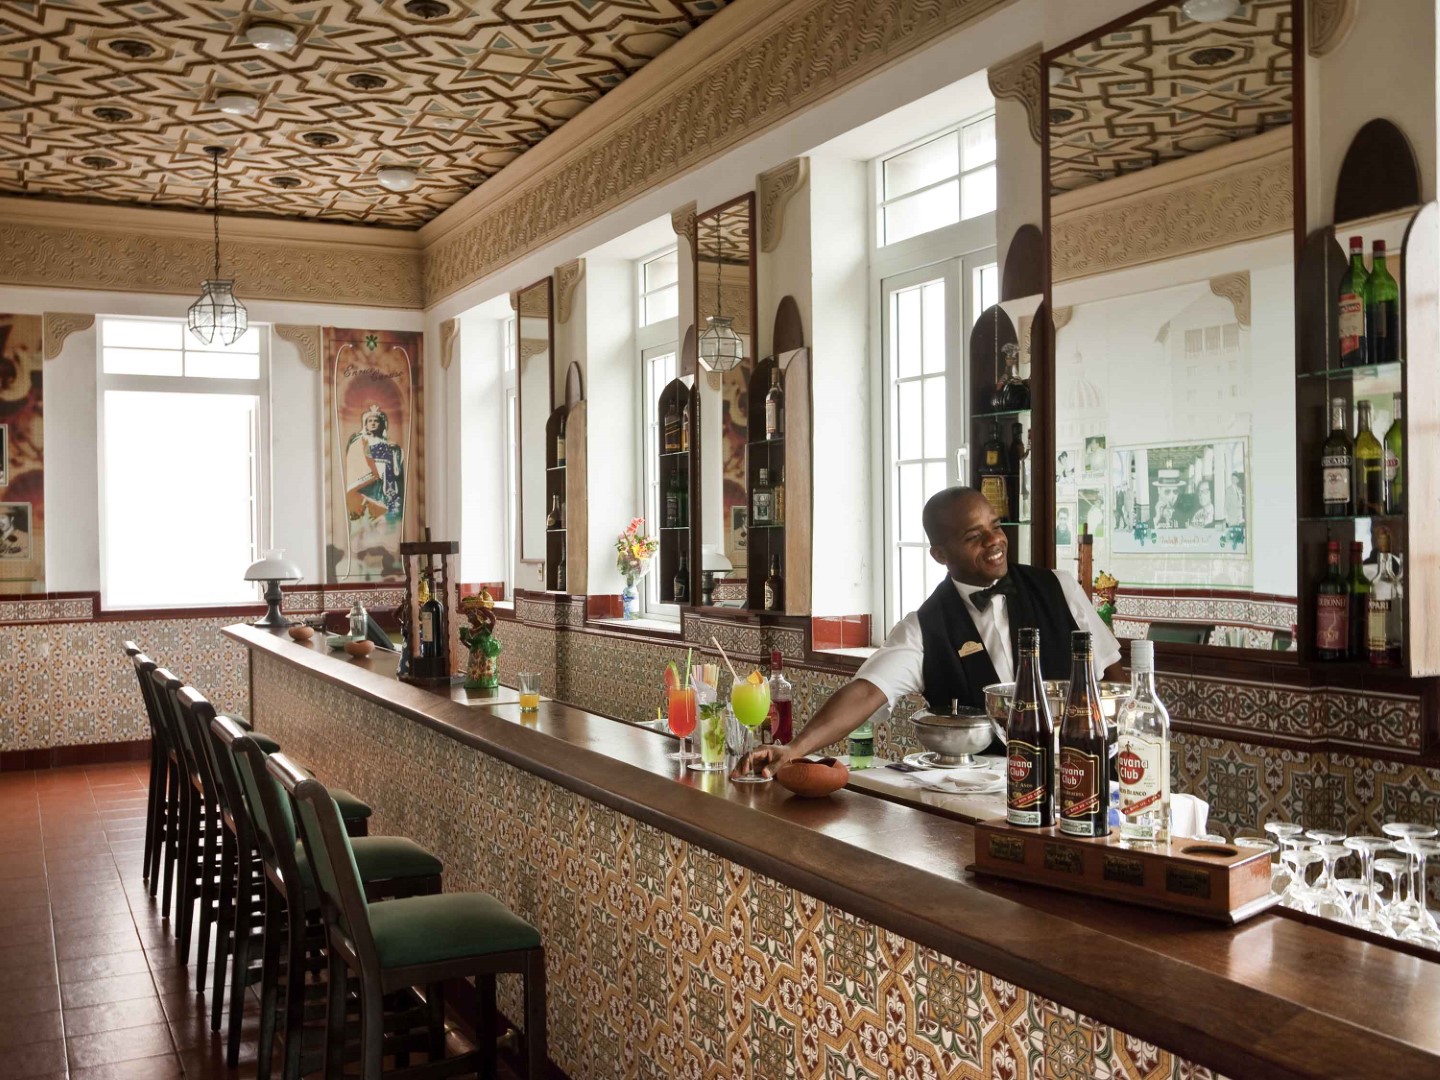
<point x="682" y="711"/>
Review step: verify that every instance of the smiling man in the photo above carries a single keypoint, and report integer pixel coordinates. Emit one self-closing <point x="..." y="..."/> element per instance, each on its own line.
<point x="963" y="637"/>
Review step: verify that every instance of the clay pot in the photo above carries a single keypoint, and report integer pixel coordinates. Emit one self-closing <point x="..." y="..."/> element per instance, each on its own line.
<point x="360" y="648"/>
<point x="302" y="633"/>
<point x="813" y="779"/>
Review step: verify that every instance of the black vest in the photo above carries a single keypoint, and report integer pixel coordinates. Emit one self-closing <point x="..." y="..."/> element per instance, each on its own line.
<point x="946" y="626"/>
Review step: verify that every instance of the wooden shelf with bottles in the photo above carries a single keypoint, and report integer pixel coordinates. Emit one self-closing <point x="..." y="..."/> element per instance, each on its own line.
<point x="676" y="415"/>
<point x="1403" y="381"/>
<point x="766" y="467"/>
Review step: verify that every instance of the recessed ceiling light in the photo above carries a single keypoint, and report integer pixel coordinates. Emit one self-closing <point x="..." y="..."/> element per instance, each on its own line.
<point x="131" y="48"/>
<point x="285" y="181"/>
<point x="237" y="104"/>
<point x="427" y="9"/>
<point x="1210" y="10"/>
<point x="320" y="138"/>
<point x="396" y="177"/>
<point x="364" y="81"/>
<point x="95" y="161"/>
<point x="273" y="37"/>
<point x="112" y="115"/>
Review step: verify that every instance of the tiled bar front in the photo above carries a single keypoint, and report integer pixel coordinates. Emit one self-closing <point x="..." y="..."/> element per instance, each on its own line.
<point x="668" y="956"/>
<point x="665" y="960"/>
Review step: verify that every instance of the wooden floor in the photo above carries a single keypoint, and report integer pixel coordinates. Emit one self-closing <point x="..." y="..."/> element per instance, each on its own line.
<point x="92" y="984"/>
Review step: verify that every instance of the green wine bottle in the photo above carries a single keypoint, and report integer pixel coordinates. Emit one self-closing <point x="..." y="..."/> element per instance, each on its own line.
<point x="1382" y="310"/>
<point x="1354" y="344"/>
<point x="1369" y="468"/>
<point x="1395" y="462"/>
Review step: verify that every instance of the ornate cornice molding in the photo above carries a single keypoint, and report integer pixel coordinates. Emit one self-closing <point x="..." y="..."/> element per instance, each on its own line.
<point x="1234" y="287"/>
<point x="777" y="187"/>
<point x="567" y="277"/>
<point x="1062" y="317"/>
<point x="59" y="325"/>
<point x="449" y="338"/>
<point x="1328" y="23"/>
<point x="306" y="340"/>
<point x="49" y="255"/>
<point x="797" y="54"/>
<point x="683" y="222"/>
<point x="1018" y="79"/>
<point x="1243" y="191"/>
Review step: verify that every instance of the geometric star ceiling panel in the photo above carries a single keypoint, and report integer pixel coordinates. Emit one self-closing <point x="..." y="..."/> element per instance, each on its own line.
<point x="1167" y="86"/>
<point x="114" y="100"/>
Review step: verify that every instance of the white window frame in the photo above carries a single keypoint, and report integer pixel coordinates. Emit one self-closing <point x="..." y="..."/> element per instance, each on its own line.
<point x="643" y="296"/>
<point x="510" y="419"/>
<point x="259" y="388"/>
<point x="651" y="342"/>
<point x="879" y="202"/>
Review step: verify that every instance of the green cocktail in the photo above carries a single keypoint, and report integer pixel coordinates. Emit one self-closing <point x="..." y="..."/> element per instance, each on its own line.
<point x="750" y="701"/>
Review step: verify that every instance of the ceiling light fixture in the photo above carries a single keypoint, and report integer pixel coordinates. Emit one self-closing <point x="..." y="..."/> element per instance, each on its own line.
<point x="272" y="37"/>
<point x="362" y="80"/>
<point x="217" y="314"/>
<point x="132" y="49"/>
<point x="720" y="347"/>
<point x="427" y="9"/>
<point x="112" y="115"/>
<point x="237" y="104"/>
<point x="396" y="177"/>
<point x="285" y="181"/>
<point x="320" y="138"/>
<point x="96" y="161"/>
<point x="1206" y="11"/>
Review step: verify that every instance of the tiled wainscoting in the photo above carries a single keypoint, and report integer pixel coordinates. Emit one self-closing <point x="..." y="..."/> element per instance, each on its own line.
<point x="665" y="960"/>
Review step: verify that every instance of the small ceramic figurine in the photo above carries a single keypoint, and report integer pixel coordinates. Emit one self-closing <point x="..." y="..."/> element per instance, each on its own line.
<point x="483" y="670"/>
<point x="1105" y="586"/>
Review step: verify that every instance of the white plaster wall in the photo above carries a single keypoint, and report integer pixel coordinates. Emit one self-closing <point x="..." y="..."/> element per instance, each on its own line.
<point x="479" y="469"/>
<point x="72" y="541"/>
<point x="1019" y="195"/>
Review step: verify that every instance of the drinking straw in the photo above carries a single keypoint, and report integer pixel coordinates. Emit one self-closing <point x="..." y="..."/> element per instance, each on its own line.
<point x="689" y="655"/>
<point x="724" y="656"/>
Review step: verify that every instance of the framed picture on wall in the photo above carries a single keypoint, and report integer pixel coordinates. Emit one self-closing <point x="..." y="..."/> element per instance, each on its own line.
<point x="1067" y="467"/>
<point x="15" y="530"/>
<point x="1189" y="498"/>
<point x="1090" y="510"/>
<point x="739" y="528"/>
<point x="1066" y="529"/>
<point x="1093" y="460"/>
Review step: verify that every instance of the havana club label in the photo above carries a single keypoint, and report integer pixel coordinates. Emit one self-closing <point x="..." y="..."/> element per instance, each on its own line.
<point x="1140" y="768"/>
<point x="1084" y="809"/>
<point x="1027" y="784"/>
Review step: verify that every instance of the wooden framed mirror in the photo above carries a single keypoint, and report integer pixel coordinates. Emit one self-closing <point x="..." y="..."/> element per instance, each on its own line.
<point x="541" y="489"/>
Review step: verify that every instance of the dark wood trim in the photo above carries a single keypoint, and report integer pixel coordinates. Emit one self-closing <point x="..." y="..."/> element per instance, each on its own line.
<point x="60" y="757"/>
<point x="1024" y="270"/>
<point x="1379" y="174"/>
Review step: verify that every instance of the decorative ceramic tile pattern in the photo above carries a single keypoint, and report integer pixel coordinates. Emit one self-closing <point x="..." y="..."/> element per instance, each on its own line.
<point x="746" y="639"/>
<point x="665" y="960"/>
<point x="1274" y="615"/>
<point x="18" y="611"/>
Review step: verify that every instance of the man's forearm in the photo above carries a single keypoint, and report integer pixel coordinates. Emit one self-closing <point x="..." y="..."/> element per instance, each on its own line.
<point x="846" y="710"/>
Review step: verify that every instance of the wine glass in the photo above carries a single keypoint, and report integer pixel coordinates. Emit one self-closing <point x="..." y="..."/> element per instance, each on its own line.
<point x="1409" y="830"/>
<point x="750" y="701"/>
<point x="1330" y="899"/>
<point x="1367" y="912"/>
<point x="1300" y="895"/>
<point x="1422" y="929"/>
<point x="1394" y="910"/>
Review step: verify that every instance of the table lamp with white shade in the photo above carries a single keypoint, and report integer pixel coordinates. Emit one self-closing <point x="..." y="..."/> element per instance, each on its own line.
<point x="273" y="569"/>
<point x="712" y="562"/>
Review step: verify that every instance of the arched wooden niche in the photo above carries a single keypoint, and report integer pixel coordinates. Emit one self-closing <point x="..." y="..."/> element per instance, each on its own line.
<point x="1024" y="273"/>
<point x="1379" y="174"/>
<point x="574" y="386"/>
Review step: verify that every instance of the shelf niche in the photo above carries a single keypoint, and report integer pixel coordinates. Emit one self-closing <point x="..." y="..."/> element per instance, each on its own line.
<point x="676" y="473"/>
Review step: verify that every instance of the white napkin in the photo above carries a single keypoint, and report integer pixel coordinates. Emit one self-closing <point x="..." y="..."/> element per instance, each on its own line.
<point x="1189" y="815"/>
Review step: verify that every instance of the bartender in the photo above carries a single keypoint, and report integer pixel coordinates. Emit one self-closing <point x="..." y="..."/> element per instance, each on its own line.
<point x="964" y="636"/>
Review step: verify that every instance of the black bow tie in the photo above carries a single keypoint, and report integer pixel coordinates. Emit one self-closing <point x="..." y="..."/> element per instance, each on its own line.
<point x="1003" y="587"/>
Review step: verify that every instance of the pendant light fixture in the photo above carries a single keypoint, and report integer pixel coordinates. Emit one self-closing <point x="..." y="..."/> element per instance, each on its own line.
<point x="217" y="314"/>
<point x="720" y="347"/>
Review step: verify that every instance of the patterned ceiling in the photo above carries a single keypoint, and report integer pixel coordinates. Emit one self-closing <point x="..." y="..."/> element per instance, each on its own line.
<point x="113" y="100"/>
<point x="1167" y="86"/>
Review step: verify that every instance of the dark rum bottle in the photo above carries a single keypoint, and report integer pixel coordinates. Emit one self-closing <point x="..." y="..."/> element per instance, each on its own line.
<point x="1382" y="309"/>
<point x="774" y="595"/>
<point x="1337" y="464"/>
<point x="1354" y="342"/>
<point x="994" y="478"/>
<point x="1084" y="755"/>
<point x="681" y="584"/>
<point x="1029" y="743"/>
<point x="1332" y="609"/>
<point x="432" y="615"/>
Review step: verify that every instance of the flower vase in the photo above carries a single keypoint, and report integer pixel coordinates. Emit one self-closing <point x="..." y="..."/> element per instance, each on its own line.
<point x="629" y="598"/>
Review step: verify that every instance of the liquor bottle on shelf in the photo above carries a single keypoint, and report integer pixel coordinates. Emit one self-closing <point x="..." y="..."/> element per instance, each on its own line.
<point x="1332" y="609"/>
<point x="1084" y="756"/>
<point x="670" y="427"/>
<point x="762" y="500"/>
<point x="1015" y="463"/>
<point x="994" y="483"/>
<point x="681" y="585"/>
<point x="1029" y="743"/>
<point x="1337" y="464"/>
<point x="1385" y="627"/>
<point x="781" y="729"/>
<point x="432" y="615"/>
<point x="685" y="424"/>
<point x="1359" y="603"/>
<point x="560" y="572"/>
<point x="1142" y="758"/>
<point x="774" y="596"/>
<point x="560" y="443"/>
<point x="1369" y="464"/>
<point x="1382" y="309"/>
<point x="775" y="407"/>
<point x="1014" y="391"/>
<point x="1354" y="342"/>
<point x="1395" y="461"/>
<point x="556" y="518"/>
<point x="682" y="482"/>
<point x="777" y="491"/>
<point x="672" y="501"/>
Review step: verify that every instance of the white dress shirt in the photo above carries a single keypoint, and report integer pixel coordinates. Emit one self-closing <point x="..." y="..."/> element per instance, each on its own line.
<point x="897" y="668"/>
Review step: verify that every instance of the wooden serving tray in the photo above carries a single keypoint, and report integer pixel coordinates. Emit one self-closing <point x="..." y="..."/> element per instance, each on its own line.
<point x="1214" y="881"/>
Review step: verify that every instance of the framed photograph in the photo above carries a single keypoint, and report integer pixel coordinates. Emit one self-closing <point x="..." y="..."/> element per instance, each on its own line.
<point x="1190" y="498"/>
<point x="1090" y="510"/>
<point x="1093" y="459"/>
<point x="1067" y="466"/>
<point x="15" y="521"/>
<point x="4" y="456"/>
<point x="1066" y="528"/>
<point x="739" y="528"/>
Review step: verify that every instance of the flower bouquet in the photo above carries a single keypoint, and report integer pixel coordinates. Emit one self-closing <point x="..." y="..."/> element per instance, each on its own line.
<point x="633" y="552"/>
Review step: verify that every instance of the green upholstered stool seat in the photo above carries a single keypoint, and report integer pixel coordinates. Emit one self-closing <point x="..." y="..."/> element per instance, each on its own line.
<point x="352" y="808"/>
<point x="451" y="926"/>
<point x="380" y="858"/>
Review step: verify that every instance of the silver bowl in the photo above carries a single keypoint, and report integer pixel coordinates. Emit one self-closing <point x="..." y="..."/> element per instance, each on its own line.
<point x="999" y="695"/>
<point x="954" y="739"/>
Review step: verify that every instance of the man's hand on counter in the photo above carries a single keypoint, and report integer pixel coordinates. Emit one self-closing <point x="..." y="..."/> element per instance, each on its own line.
<point x="847" y="709"/>
<point x="763" y="761"/>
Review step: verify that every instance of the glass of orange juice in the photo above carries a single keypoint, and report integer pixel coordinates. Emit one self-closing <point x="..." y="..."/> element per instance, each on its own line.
<point x="529" y="691"/>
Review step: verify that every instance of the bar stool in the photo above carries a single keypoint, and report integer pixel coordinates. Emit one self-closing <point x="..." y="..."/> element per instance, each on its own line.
<point x="394" y="945"/>
<point x="156" y="806"/>
<point x="388" y="865"/>
<point x="166" y="849"/>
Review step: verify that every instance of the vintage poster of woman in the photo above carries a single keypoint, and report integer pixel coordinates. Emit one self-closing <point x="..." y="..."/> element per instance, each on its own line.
<point x="374" y="451"/>
<point x="22" y="455"/>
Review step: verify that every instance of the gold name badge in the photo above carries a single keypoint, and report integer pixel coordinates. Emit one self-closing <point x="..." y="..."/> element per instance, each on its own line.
<point x="970" y="648"/>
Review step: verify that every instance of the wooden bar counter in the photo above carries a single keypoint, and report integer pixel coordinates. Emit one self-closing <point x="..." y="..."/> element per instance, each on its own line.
<point x="701" y="928"/>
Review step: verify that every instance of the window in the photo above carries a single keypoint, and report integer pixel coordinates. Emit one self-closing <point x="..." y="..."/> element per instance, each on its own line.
<point x="946" y="179"/>
<point x="511" y="383"/>
<point x="183" y="427"/>
<point x="660" y="287"/>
